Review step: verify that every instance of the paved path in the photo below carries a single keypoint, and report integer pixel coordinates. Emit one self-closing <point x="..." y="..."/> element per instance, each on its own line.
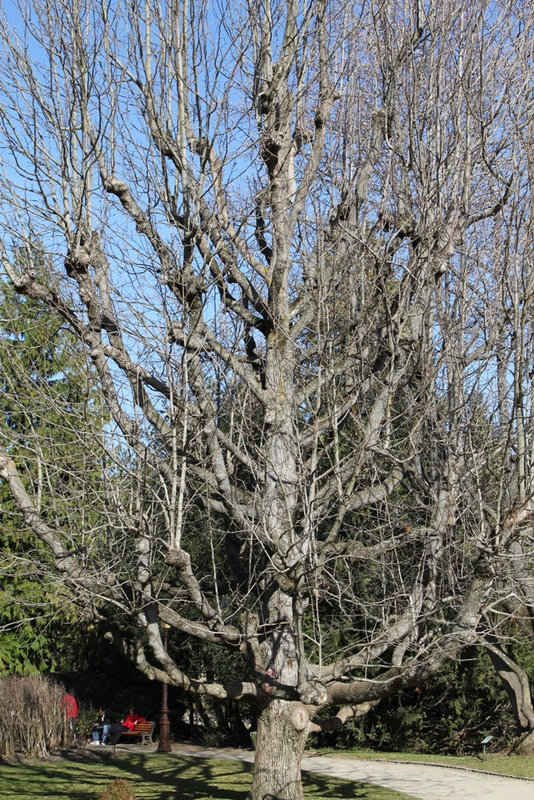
<point x="418" y="780"/>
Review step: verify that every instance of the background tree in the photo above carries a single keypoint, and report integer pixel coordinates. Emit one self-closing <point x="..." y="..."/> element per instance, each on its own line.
<point x="51" y="415"/>
<point x="283" y="233"/>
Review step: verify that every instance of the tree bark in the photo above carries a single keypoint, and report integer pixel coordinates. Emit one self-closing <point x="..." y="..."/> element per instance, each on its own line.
<point x="525" y="745"/>
<point x="282" y="733"/>
<point x="516" y="683"/>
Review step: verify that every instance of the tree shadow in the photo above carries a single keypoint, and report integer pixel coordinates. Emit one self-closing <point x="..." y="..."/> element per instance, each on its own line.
<point x="83" y="775"/>
<point x="320" y="786"/>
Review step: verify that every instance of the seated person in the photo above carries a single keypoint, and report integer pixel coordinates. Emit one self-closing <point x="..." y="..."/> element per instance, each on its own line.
<point x="101" y="727"/>
<point x="127" y="724"/>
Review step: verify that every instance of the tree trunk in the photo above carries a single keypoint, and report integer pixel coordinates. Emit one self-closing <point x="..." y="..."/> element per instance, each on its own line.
<point x="515" y="681"/>
<point x="525" y="745"/>
<point x="282" y="732"/>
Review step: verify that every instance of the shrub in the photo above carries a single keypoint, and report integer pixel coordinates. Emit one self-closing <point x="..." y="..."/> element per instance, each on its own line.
<point x="118" y="789"/>
<point x="84" y="726"/>
<point x="32" y="721"/>
<point x="464" y="702"/>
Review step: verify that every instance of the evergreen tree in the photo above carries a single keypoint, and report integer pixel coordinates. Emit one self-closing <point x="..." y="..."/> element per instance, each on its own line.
<point x="49" y="415"/>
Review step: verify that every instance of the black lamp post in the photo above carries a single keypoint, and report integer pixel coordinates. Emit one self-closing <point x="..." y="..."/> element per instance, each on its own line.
<point x="164" y="745"/>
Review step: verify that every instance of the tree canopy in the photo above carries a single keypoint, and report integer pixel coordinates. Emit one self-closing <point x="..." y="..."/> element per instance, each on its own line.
<point x="295" y="242"/>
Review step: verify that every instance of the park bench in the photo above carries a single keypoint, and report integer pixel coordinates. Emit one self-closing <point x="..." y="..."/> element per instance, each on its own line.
<point x="142" y="730"/>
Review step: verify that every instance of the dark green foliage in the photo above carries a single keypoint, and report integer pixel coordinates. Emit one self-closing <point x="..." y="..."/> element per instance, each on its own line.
<point x="464" y="703"/>
<point x="50" y="416"/>
<point x="214" y="721"/>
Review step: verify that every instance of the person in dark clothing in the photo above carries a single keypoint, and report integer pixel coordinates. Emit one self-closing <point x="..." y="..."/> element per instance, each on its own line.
<point x="127" y="724"/>
<point x="101" y="727"/>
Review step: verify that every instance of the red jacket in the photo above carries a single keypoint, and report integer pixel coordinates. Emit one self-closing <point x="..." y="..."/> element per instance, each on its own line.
<point x="131" y="721"/>
<point x="70" y="706"/>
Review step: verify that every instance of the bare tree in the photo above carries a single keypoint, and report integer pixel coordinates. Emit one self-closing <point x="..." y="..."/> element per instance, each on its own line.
<point x="284" y="233"/>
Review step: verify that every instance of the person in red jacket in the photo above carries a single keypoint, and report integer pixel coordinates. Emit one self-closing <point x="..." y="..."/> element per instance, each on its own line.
<point x="127" y="724"/>
<point x="70" y="707"/>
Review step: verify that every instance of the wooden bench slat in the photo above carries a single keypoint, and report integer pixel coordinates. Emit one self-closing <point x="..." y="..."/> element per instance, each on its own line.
<point x="142" y="729"/>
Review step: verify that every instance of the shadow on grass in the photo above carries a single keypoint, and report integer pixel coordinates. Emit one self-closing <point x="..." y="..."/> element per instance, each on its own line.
<point x="83" y="776"/>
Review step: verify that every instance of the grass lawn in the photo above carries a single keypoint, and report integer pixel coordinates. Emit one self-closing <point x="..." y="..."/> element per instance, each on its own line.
<point x="154" y="776"/>
<point x="516" y="766"/>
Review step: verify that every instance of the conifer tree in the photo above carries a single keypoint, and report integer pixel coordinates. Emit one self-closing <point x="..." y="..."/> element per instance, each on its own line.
<point x="50" y="418"/>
